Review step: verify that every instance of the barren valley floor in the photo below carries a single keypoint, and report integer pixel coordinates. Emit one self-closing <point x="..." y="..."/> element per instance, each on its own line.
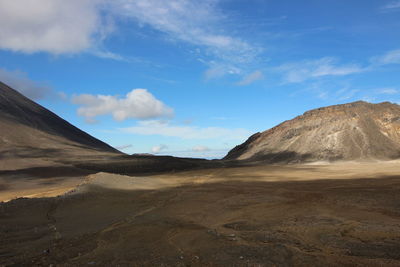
<point x="293" y="215"/>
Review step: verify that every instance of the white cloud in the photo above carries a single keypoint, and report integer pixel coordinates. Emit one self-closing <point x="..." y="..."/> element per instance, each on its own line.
<point x="54" y="26"/>
<point x="186" y="132"/>
<point x="108" y="55"/>
<point x="158" y="149"/>
<point x="391" y="57"/>
<point x="219" y="70"/>
<point x="73" y="26"/>
<point x="387" y="91"/>
<point x="310" y="69"/>
<point x="392" y="5"/>
<point x="200" y="149"/>
<point x="252" y="77"/>
<point x="347" y="94"/>
<point x="214" y="72"/>
<point x="63" y="96"/>
<point x="20" y="81"/>
<point x="195" y="22"/>
<point x="137" y="104"/>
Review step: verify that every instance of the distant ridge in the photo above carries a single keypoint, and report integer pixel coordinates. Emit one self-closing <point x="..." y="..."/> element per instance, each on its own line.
<point x="26" y="125"/>
<point x="353" y="131"/>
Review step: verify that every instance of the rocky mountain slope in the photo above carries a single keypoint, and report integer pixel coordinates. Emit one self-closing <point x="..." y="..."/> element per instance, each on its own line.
<point x="353" y="131"/>
<point x="28" y="129"/>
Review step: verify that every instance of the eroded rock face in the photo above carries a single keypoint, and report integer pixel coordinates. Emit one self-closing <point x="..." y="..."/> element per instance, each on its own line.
<point x="357" y="130"/>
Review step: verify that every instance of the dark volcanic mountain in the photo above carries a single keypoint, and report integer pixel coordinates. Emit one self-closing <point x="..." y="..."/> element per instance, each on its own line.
<point x="358" y="130"/>
<point x="27" y="128"/>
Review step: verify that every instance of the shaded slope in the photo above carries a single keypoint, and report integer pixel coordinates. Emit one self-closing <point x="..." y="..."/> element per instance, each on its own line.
<point x="358" y="130"/>
<point x="26" y="124"/>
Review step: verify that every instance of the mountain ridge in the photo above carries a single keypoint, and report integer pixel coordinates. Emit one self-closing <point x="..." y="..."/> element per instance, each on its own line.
<point x="28" y="124"/>
<point x="351" y="131"/>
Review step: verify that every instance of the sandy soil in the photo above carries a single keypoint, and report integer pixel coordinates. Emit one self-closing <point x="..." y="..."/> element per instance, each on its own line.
<point x="38" y="178"/>
<point x="345" y="214"/>
<point x="269" y="173"/>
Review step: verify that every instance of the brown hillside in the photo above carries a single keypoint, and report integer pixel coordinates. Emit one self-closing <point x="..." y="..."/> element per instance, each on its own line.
<point x="28" y="129"/>
<point x="353" y="131"/>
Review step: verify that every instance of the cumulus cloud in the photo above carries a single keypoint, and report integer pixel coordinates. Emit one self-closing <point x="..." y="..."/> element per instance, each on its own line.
<point x="252" y="77"/>
<point x="309" y="69"/>
<point x="137" y="104"/>
<point x="195" y="22"/>
<point x="163" y="128"/>
<point x="158" y="149"/>
<point x="54" y="26"/>
<point x="67" y="27"/>
<point x="20" y="81"/>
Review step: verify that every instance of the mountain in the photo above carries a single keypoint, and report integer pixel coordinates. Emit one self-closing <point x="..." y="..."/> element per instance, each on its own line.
<point x="352" y="131"/>
<point x="30" y="130"/>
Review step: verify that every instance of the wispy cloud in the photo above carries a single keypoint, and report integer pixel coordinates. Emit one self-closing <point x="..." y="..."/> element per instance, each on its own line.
<point x="251" y="78"/>
<point x="137" y="104"/>
<point x="68" y="27"/>
<point x="164" y="128"/>
<point x="394" y="5"/>
<point x="339" y="91"/>
<point x="387" y="91"/>
<point x="391" y="57"/>
<point x="200" y="149"/>
<point x="20" y="81"/>
<point x="296" y="72"/>
<point x="108" y="55"/>
<point x="346" y="93"/>
<point x="195" y="22"/>
<point x="217" y="70"/>
<point x="310" y="69"/>
<point x="294" y="34"/>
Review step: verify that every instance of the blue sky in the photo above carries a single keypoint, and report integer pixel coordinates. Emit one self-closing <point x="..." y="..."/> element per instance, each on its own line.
<point x="195" y="78"/>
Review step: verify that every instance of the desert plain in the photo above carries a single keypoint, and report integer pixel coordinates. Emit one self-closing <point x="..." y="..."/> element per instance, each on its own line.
<point x="318" y="214"/>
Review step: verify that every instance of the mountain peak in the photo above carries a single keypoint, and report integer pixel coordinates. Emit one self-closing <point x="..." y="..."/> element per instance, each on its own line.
<point x="26" y="125"/>
<point x="357" y="130"/>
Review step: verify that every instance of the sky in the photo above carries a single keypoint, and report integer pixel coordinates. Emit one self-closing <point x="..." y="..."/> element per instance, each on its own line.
<point x="195" y="78"/>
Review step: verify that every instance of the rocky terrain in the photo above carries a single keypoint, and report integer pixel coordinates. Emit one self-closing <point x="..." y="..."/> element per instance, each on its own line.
<point x="342" y="214"/>
<point x="354" y="131"/>
<point x="69" y="199"/>
<point x="42" y="154"/>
